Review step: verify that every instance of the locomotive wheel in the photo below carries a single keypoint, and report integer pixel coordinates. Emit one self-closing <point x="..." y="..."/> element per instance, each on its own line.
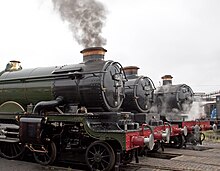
<point x="100" y="156"/>
<point x="11" y="150"/>
<point x="47" y="157"/>
<point x="177" y="141"/>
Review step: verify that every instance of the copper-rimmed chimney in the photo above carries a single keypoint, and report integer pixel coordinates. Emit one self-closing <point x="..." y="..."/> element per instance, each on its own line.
<point x="131" y="70"/>
<point x="167" y="79"/>
<point x="13" y="65"/>
<point x="93" y="53"/>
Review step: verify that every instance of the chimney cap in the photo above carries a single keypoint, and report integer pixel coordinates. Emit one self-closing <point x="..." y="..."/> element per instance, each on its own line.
<point x="167" y="77"/>
<point x="15" y="61"/>
<point x="93" y="51"/>
<point x="131" y="67"/>
<point x="131" y="70"/>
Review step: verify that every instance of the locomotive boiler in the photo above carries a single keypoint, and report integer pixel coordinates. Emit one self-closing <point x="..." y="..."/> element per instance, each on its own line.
<point x="173" y="98"/>
<point x="139" y="91"/>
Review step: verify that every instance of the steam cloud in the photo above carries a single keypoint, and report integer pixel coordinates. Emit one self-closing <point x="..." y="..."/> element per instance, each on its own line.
<point x="86" y="19"/>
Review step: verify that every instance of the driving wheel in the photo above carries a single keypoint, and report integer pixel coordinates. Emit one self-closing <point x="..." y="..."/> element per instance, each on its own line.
<point x="100" y="156"/>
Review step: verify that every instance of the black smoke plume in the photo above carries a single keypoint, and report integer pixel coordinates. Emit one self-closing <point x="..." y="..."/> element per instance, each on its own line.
<point x="86" y="19"/>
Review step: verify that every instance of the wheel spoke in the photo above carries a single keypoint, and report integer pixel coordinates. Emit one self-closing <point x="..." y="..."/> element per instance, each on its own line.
<point x="95" y="149"/>
<point x="93" y="163"/>
<point x="105" y="161"/>
<point x="92" y="153"/>
<point x="103" y="151"/>
<point x="103" y="167"/>
<point x="99" y="149"/>
<point x="91" y="158"/>
<point x="10" y="149"/>
<point x="47" y="155"/>
<point x="105" y="156"/>
<point x="14" y="149"/>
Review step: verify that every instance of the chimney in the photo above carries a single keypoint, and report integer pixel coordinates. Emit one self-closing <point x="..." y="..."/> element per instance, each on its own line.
<point x="13" y="65"/>
<point x="93" y="53"/>
<point x="131" y="70"/>
<point x="167" y="79"/>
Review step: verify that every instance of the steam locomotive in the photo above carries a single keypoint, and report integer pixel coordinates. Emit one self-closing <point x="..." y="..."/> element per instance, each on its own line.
<point x="171" y="98"/>
<point x="95" y="111"/>
<point x="139" y="99"/>
<point x="173" y="103"/>
<point x="163" y="109"/>
<point x="70" y="110"/>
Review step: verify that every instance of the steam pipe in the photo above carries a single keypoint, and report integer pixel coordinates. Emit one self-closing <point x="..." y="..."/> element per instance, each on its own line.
<point x="47" y="104"/>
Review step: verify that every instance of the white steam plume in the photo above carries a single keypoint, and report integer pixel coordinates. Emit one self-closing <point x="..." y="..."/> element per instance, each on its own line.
<point x="197" y="110"/>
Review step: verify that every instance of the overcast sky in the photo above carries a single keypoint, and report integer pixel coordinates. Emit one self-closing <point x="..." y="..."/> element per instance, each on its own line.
<point x="177" y="37"/>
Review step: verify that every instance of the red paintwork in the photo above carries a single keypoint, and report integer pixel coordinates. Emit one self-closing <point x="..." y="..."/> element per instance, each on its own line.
<point x="158" y="130"/>
<point x="138" y="141"/>
<point x="135" y="139"/>
<point x="175" y="130"/>
<point x="204" y="125"/>
<point x="158" y="136"/>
